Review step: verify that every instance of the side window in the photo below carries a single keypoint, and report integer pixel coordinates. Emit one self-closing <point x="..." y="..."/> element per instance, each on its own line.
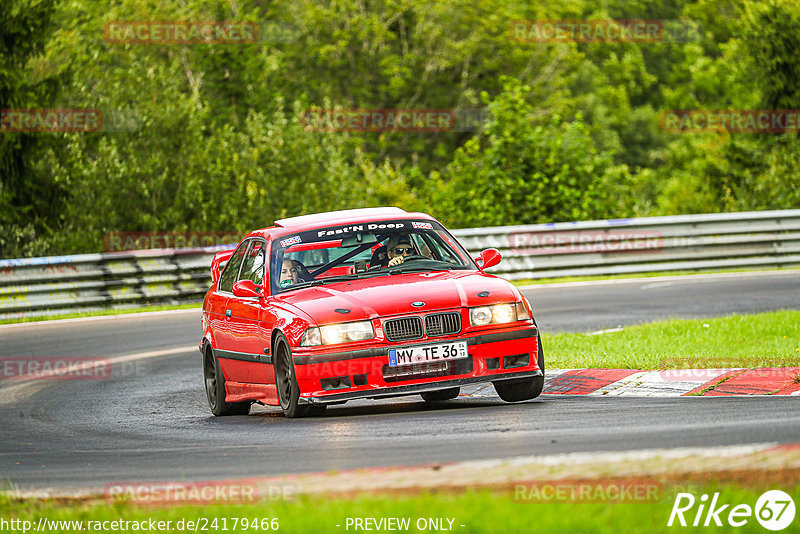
<point x="440" y="252"/>
<point x="253" y="268"/>
<point x="232" y="268"/>
<point x="421" y="246"/>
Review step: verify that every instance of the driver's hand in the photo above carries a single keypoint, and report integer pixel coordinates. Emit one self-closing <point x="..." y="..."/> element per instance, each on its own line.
<point x="397" y="260"/>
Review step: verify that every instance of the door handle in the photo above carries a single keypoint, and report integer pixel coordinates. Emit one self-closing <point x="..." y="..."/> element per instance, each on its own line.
<point x="227" y="313"/>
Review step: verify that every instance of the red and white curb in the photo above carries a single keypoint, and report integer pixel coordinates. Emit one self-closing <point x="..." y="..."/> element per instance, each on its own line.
<point x="779" y="381"/>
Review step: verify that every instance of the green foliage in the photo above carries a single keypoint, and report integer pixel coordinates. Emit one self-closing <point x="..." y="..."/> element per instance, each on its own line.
<point x="209" y="136"/>
<point x="525" y="169"/>
<point x="772" y="28"/>
<point x="29" y="203"/>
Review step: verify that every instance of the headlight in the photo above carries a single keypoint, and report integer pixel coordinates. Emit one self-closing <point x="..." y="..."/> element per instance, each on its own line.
<point x="337" y="333"/>
<point x="504" y="313"/>
<point x="497" y="314"/>
<point x="310" y="338"/>
<point x="480" y="316"/>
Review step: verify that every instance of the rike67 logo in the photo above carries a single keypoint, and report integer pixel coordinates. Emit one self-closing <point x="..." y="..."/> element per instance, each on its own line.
<point x="774" y="511"/>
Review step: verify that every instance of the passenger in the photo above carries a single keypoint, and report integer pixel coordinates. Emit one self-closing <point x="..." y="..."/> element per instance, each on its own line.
<point x="290" y="272"/>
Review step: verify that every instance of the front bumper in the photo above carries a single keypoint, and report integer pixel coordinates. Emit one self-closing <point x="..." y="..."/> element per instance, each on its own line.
<point x="364" y="372"/>
<point x="411" y="389"/>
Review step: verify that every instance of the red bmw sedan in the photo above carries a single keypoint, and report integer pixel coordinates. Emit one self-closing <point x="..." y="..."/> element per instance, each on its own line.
<point x="368" y="303"/>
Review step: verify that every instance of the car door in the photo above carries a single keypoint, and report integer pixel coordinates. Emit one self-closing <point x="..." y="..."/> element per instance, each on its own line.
<point x="219" y="312"/>
<point x="248" y="353"/>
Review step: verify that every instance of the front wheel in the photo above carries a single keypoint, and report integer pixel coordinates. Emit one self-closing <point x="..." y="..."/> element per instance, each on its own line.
<point x="520" y="389"/>
<point x="215" y="388"/>
<point x="288" y="390"/>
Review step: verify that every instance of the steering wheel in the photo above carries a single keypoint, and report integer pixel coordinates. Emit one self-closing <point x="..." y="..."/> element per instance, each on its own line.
<point x="406" y="259"/>
<point x="414" y="257"/>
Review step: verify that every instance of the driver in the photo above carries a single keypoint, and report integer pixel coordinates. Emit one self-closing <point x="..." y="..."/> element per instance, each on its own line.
<point x="397" y="248"/>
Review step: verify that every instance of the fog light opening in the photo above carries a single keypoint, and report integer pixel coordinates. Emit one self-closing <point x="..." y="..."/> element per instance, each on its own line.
<point x="339" y="382"/>
<point x="518" y="360"/>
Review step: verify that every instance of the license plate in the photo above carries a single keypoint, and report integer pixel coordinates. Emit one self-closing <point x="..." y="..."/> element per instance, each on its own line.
<point x="427" y="353"/>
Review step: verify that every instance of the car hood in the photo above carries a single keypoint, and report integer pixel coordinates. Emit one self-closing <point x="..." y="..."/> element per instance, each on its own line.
<point x="384" y="296"/>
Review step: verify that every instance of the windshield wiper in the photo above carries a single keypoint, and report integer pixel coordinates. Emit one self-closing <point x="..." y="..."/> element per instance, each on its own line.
<point x="416" y="269"/>
<point x="332" y="279"/>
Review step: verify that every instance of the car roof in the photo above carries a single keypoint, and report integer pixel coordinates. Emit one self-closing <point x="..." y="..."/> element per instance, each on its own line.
<point x="302" y="223"/>
<point x="333" y="217"/>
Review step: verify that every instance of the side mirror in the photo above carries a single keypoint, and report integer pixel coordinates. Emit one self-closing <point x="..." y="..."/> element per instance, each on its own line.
<point x="489" y="258"/>
<point x="247" y="288"/>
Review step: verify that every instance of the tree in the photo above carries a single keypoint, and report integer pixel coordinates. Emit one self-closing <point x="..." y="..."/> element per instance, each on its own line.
<point x="527" y="169"/>
<point x="29" y="203"/>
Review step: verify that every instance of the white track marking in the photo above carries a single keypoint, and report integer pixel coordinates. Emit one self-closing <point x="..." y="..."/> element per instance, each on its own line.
<point x="671" y="278"/>
<point x="120" y="316"/>
<point x="22" y="387"/>
<point x="607" y="331"/>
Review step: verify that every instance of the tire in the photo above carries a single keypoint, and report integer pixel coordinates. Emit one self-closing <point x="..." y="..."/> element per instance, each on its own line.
<point x="288" y="390"/>
<point x="520" y="389"/>
<point x="441" y="395"/>
<point x="540" y="359"/>
<point x="215" y="388"/>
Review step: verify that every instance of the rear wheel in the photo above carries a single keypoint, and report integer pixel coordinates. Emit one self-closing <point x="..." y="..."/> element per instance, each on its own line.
<point x="441" y="395"/>
<point x="288" y="390"/>
<point x="215" y="388"/>
<point x="520" y="389"/>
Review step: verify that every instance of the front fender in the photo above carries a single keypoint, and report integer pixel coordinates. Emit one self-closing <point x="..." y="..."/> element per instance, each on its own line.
<point x="292" y="322"/>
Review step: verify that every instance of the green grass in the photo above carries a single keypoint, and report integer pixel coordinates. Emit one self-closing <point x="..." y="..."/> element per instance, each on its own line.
<point x="121" y="311"/>
<point x="757" y="340"/>
<point x="480" y="511"/>
<point x="652" y="274"/>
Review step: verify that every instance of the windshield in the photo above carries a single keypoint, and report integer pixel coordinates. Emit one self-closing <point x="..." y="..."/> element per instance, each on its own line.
<point x="346" y="252"/>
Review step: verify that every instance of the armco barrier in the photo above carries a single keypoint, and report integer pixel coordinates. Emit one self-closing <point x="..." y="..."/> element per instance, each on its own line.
<point x="759" y="239"/>
<point x="766" y="239"/>
<point x="65" y="284"/>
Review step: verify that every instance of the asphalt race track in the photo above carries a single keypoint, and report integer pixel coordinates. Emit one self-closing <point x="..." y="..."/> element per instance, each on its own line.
<point x="150" y="420"/>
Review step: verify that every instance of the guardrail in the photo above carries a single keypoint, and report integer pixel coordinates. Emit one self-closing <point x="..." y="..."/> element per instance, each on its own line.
<point x="767" y="239"/>
<point x="760" y="239"/>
